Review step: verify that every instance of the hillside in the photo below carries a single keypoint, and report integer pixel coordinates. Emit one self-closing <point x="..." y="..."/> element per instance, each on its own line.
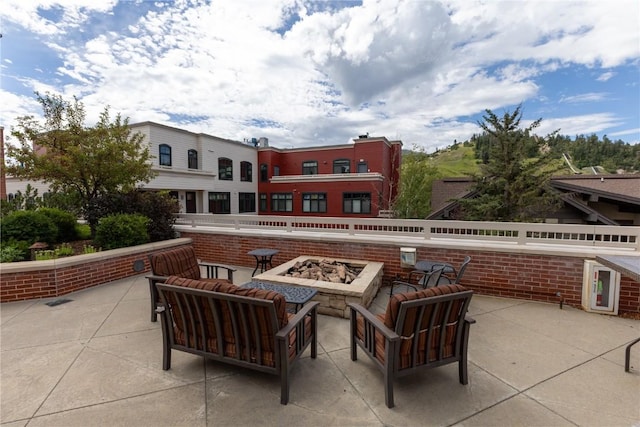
<point x="459" y="160"/>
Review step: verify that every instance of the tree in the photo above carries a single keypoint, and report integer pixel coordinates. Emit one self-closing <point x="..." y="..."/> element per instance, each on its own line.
<point x="417" y="176"/>
<point x="514" y="182"/>
<point x="85" y="161"/>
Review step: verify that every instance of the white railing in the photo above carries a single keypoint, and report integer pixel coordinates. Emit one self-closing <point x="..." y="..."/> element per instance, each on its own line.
<point x="515" y="233"/>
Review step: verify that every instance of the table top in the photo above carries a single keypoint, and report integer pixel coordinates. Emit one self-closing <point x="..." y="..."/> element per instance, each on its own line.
<point x="625" y="264"/>
<point x="292" y="294"/>
<point x="263" y="252"/>
<point x="428" y="265"/>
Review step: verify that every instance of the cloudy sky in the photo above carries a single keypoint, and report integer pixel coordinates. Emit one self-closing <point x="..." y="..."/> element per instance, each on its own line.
<point x="308" y="73"/>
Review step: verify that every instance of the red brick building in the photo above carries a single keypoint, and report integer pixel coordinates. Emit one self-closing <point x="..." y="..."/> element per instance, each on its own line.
<point x="359" y="179"/>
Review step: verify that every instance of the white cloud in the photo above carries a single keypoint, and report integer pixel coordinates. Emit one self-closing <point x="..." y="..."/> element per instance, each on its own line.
<point x="418" y="69"/>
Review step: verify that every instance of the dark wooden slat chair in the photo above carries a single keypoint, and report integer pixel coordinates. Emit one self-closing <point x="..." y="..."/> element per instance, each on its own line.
<point x="182" y="262"/>
<point x="423" y="329"/>
<point x="246" y="327"/>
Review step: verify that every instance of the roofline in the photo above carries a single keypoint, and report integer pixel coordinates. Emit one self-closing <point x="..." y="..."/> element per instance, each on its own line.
<point x="556" y="183"/>
<point x="201" y="134"/>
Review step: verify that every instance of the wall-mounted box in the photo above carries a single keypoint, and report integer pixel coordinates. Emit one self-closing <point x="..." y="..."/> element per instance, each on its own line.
<point x="407" y="257"/>
<point x="600" y="288"/>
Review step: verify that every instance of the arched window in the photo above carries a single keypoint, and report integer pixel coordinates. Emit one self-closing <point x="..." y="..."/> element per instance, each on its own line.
<point x="192" y="156"/>
<point x="246" y="171"/>
<point x="165" y="155"/>
<point x="225" y="169"/>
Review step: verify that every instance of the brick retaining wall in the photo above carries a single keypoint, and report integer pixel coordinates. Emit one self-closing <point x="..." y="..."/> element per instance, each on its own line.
<point x="503" y="274"/>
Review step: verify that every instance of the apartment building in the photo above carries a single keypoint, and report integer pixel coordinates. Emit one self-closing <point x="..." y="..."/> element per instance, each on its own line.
<point x="359" y="179"/>
<point x="208" y="174"/>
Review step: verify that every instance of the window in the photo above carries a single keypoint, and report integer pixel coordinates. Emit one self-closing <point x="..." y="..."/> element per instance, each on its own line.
<point x="264" y="172"/>
<point x="276" y="171"/>
<point x="165" y="155"/>
<point x="310" y="167"/>
<point x="225" y="169"/>
<point x="219" y="203"/>
<point x="263" y="202"/>
<point x="356" y="202"/>
<point x="282" y="202"/>
<point x="314" y="202"/>
<point x="363" y="167"/>
<point x="341" y="166"/>
<point x="246" y="172"/>
<point x="192" y="156"/>
<point x="246" y="202"/>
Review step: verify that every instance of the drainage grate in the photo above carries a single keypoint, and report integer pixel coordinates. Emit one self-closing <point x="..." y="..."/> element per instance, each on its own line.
<point x="58" y="302"/>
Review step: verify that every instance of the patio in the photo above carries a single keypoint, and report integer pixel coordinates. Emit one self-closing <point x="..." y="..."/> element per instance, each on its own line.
<point x="97" y="361"/>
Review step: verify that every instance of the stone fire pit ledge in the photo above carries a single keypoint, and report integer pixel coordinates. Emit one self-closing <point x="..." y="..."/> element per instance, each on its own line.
<point x="333" y="297"/>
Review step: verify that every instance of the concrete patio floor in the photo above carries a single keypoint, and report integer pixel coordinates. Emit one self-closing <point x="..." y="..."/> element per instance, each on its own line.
<point x="96" y="361"/>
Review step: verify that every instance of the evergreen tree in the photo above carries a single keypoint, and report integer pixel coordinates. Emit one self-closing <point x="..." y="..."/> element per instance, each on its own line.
<point x="513" y="184"/>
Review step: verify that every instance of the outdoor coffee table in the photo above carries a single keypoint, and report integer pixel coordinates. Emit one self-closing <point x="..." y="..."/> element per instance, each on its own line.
<point x="263" y="257"/>
<point x="296" y="295"/>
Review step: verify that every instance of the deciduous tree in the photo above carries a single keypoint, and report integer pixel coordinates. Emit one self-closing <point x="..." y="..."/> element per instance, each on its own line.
<point x="68" y="155"/>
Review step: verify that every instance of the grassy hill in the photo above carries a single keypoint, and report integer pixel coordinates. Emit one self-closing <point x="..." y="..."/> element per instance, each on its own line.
<point x="460" y="161"/>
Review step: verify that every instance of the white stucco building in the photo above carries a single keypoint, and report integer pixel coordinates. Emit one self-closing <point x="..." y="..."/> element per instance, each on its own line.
<point x="205" y="173"/>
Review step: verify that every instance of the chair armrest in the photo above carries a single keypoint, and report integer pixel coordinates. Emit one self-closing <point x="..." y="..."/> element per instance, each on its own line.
<point x="373" y="320"/>
<point x="212" y="270"/>
<point x="155" y="279"/>
<point x="403" y="283"/>
<point x="309" y="308"/>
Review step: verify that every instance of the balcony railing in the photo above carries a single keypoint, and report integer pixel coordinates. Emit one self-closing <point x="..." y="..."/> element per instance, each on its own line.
<point x="509" y="233"/>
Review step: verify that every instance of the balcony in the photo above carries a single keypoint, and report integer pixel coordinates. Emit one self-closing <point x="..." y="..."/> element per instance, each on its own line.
<point x="96" y="360"/>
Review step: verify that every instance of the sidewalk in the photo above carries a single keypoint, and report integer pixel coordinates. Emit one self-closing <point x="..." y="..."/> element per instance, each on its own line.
<point x="97" y="361"/>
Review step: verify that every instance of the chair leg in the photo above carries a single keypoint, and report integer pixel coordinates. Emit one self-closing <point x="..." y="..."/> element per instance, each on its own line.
<point x="154" y="298"/>
<point x="284" y="386"/>
<point x="462" y="371"/>
<point x="352" y="333"/>
<point x="388" y="388"/>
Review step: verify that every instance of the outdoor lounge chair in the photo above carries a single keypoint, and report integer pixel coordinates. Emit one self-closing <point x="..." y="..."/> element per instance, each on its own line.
<point x="246" y="327"/>
<point x="425" y="279"/>
<point x="182" y="262"/>
<point x="422" y="329"/>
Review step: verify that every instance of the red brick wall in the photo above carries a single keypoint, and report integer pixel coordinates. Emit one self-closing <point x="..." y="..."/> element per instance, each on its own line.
<point x="510" y="275"/>
<point x="18" y="286"/>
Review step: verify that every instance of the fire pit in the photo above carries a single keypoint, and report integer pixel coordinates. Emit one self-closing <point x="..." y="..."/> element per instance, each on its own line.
<point x="332" y="295"/>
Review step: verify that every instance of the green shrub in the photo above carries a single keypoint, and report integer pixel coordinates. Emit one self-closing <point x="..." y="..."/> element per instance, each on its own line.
<point x="65" y="221"/>
<point x="28" y="226"/>
<point x="45" y="255"/>
<point x="64" y="249"/>
<point x="12" y="252"/>
<point x="89" y="249"/>
<point x="83" y="231"/>
<point x="121" y="231"/>
<point x="159" y="207"/>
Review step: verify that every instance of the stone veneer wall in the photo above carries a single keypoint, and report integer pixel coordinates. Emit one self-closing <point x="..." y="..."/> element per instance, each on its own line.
<point x="535" y="277"/>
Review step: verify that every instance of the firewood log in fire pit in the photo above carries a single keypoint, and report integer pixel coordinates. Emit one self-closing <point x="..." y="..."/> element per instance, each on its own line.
<point x="325" y="271"/>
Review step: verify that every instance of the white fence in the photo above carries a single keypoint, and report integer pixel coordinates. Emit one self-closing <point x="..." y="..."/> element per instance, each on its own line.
<point x="515" y="233"/>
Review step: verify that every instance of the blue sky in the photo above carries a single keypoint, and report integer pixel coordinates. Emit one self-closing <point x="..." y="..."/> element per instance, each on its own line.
<point x="308" y="73"/>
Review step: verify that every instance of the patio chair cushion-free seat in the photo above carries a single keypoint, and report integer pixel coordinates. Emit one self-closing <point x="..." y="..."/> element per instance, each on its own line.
<point x="247" y="327"/>
<point x="182" y="262"/>
<point x="422" y="329"/>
